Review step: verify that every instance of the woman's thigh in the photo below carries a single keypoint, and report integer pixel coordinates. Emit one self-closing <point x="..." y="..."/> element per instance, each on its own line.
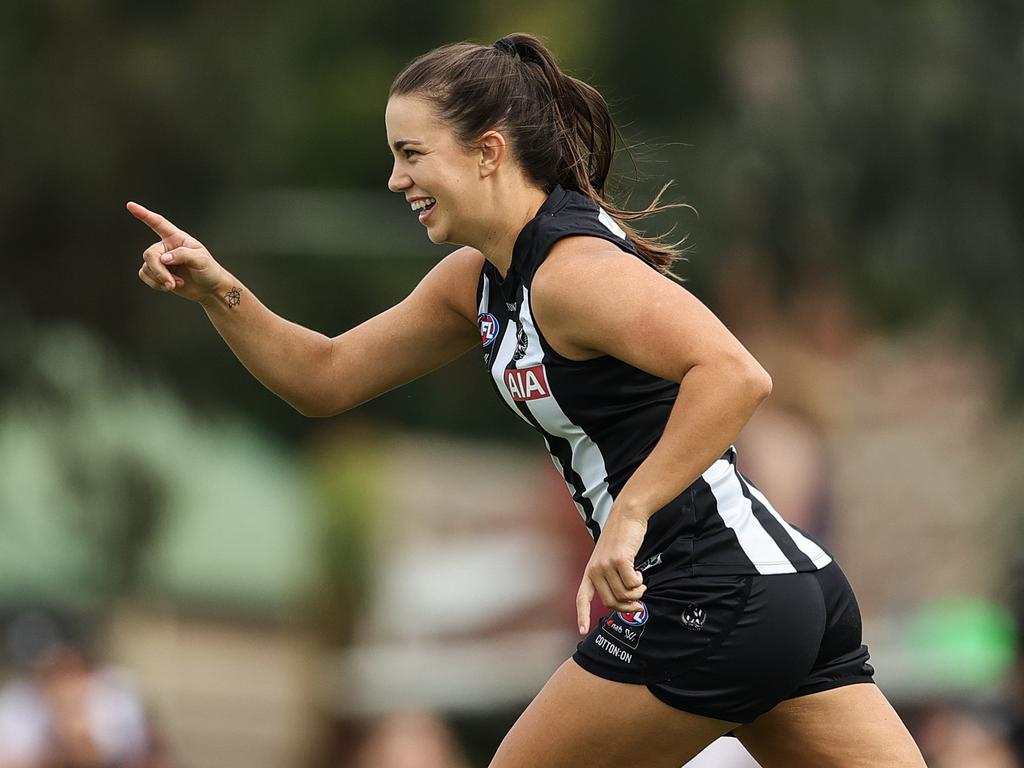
<point x="847" y="727"/>
<point x="580" y="720"/>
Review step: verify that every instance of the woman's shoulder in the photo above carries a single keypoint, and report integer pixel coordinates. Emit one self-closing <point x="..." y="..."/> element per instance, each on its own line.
<point x="459" y="268"/>
<point x="575" y="217"/>
<point x="455" y="279"/>
<point x="583" y="259"/>
<point x="466" y="259"/>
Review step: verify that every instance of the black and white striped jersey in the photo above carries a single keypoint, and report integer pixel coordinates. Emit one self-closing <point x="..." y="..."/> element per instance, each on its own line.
<point x="600" y="418"/>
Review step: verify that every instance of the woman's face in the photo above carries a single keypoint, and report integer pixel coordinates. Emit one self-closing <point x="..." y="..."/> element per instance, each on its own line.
<point x="431" y="167"/>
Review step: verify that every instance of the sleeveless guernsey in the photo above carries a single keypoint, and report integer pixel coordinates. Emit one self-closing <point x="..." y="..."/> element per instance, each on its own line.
<point x="600" y="418"/>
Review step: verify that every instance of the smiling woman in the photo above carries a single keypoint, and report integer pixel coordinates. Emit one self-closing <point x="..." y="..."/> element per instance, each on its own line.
<point x="722" y="617"/>
<point x="567" y="140"/>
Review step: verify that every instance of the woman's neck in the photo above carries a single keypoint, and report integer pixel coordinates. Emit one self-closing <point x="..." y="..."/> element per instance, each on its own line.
<point x="512" y="214"/>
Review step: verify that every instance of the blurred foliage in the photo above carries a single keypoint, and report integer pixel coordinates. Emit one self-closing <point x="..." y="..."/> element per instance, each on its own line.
<point x="112" y="486"/>
<point x="347" y="474"/>
<point x="873" y="145"/>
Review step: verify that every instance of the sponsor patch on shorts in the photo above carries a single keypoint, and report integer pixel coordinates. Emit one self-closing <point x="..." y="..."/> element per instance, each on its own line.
<point x="611" y="648"/>
<point x="627" y="627"/>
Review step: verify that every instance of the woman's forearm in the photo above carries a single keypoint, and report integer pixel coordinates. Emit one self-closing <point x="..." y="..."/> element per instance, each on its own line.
<point x="286" y="357"/>
<point x="712" y="407"/>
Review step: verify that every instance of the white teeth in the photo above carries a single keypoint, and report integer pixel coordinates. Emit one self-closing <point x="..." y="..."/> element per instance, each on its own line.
<point x="421" y="204"/>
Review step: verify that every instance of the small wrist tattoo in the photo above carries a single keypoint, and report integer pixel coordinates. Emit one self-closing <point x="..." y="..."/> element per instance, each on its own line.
<point x="234" y="297"/>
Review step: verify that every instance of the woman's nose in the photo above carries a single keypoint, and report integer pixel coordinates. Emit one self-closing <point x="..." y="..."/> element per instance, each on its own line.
<point x="398" y="180"/>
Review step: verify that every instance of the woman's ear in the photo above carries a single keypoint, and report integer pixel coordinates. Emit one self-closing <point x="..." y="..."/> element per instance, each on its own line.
<point x="492" y="152"/>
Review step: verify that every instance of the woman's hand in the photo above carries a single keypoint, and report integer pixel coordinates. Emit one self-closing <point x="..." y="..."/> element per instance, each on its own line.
<point x="611" y="572"/>
<point x="179" y="262"/>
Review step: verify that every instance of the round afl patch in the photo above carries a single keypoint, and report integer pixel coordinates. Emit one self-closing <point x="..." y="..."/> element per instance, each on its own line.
<point x="635" y="618"/>
<point x="488" y="328"/>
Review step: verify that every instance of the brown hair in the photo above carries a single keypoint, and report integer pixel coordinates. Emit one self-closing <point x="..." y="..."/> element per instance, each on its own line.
<point x="560" y="129"/>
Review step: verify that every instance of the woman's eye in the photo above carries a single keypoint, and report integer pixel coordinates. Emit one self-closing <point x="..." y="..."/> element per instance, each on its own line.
<point x="410" y="152"/>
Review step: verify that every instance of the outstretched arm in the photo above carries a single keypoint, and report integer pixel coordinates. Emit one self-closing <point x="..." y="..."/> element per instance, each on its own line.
<point x="316" y="374"/>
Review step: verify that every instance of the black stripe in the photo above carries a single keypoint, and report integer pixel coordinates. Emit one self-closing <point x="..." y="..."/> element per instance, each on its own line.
<point x="774" y="528"/>
<point x="562" y="454"/>
<point x="715" y="542"/>
<point x="558" y="447"/>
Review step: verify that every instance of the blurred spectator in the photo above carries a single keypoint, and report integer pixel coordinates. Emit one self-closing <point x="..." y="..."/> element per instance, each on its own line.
<point x="954" y="737"/>
<point x="66" y="712"/>
<point x="784" y="452"/>
<point x="420" y="740"/>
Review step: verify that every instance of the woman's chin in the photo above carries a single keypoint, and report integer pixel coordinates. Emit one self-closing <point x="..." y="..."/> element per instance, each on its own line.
<point x="437" y="235"/>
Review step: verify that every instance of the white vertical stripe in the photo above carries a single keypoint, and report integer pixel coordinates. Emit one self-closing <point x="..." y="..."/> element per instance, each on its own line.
<point x="587" y="459"/>
<point x="572" y="491"/>
<point x="502" y="357"/>
<point x="735" y="510"/>
<point x="485" y="295"/>
<point x="817" y="555"/>
<point x="610" y="223"/>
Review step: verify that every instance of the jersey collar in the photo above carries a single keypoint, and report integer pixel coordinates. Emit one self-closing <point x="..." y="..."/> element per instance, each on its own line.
<point x="524" y="240"/>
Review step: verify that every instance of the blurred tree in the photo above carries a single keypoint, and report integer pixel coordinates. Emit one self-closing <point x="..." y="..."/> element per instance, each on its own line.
<point x="877" y="144"/>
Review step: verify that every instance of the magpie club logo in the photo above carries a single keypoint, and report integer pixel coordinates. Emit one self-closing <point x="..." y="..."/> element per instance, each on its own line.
<point x="693" y="617"/>
<point x="522" y="343"/>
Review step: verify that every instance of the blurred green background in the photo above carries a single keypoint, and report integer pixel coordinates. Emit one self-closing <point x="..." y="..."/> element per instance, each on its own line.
<point x="858" y="170"/>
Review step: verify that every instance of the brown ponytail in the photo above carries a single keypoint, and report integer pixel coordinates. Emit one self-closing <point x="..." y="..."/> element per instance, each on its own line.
<point x="560" y="129"/>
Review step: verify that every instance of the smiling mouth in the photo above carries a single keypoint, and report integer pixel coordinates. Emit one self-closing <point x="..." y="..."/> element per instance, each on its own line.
<point x="425" y="208"/>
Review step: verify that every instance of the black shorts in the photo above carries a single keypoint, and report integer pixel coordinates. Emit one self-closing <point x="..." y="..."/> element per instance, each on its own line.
<point x="732" y="647"/>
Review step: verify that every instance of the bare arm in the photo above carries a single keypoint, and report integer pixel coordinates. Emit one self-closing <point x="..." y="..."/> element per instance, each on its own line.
<point x="318" y="375"/>
<point x="590" y="298"/>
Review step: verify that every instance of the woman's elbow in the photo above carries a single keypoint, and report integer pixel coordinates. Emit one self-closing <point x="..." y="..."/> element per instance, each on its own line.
<point x="758" y="383"/>
<point x="318" y="408"/>
<point x="308" y="409"/>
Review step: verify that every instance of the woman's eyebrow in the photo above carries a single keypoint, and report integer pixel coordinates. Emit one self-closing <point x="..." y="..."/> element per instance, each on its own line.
<point x="403" y="142"/>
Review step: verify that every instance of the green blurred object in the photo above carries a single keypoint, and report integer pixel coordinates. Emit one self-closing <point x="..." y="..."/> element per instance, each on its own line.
<point x="114" y="486"/>
<point x="965" y="642"/>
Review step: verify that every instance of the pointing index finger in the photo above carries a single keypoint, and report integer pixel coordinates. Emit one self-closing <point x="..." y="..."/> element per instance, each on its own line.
<point x="164" y="228"/>
<point x="583" y="599"/>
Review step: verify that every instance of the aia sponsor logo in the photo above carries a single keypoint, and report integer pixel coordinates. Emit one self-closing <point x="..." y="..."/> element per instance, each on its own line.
<point x="527" y="383"/>
<point x="489" y="328"/>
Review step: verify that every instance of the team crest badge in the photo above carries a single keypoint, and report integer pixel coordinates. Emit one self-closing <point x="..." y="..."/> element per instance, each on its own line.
<point x="693" y="617"/>
<point x="522" y="343"/>
<point x="489" y="328"/>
